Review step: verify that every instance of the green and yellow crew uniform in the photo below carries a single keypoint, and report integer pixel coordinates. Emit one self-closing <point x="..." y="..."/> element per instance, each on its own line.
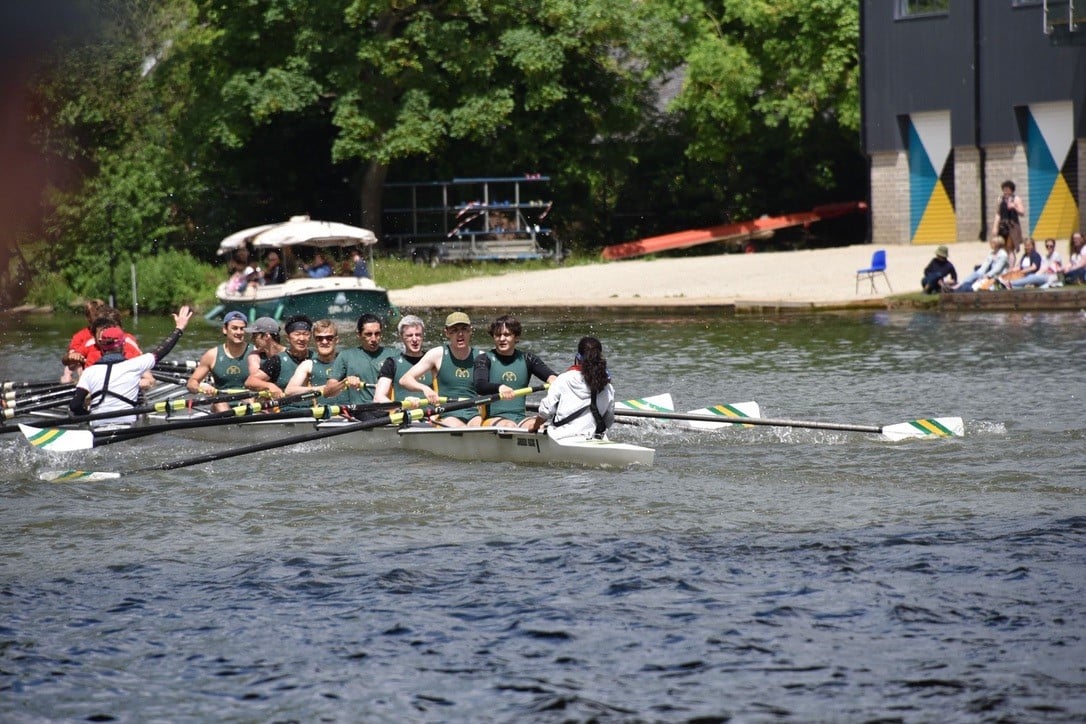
<point x="228" y="372"/>
<point x="364" y="365"/>
<point x="455" y="379"/>
<point x="492" y="370"/>
<point x="281" y="367"/>
<point x="396" y="367"/>
<point x="322" y="372"/>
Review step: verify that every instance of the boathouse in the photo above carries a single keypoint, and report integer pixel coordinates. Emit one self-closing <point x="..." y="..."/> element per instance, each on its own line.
<point x="959" y="95"/>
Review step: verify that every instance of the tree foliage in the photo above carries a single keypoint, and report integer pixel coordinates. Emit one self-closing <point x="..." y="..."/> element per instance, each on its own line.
<point x="185" y="120"/>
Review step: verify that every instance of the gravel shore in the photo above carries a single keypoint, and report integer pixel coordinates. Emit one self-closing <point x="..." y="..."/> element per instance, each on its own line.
<point x="818" y="277"/>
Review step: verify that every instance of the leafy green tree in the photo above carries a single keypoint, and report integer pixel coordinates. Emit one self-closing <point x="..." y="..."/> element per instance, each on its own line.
<point x="772" y="91"/>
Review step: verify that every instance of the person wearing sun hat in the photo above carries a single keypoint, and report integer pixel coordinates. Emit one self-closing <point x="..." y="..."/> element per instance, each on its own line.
<point x="939" y="273"/>
<point x="452" y="367"/>
<point x="224" y="366"/>
<point x="113" y="383"/>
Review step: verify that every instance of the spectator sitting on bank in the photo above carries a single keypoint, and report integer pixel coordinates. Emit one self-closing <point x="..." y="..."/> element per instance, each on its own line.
<point x="1075" y="272"/>
<point x="1048" y="272"/>
<point x="984" y="276"/>
<point x="319" y="268"/>
<point x="1030" y="263"/>
<point x="939" y="274"/>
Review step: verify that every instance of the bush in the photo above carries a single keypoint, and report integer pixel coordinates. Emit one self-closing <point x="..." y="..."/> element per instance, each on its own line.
<point x="50" y="289"/>
<point x="163" y="283"/>
<point x="167" y="280"/>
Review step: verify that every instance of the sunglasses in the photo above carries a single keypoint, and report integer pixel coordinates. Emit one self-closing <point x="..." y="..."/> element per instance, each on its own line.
<point x="326" y="337"/>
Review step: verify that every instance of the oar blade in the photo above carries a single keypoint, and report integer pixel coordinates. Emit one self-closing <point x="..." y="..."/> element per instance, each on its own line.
<point x="57" y="439"/>
<point x="658" y="403"/>
<point x="728" y="411"/>
<point x="925" y="428"/>
<point x="69" y="476"/>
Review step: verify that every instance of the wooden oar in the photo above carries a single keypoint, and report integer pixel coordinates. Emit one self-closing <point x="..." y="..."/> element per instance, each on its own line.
<point x="925" y="427"/>
<point x="393" y="418"/>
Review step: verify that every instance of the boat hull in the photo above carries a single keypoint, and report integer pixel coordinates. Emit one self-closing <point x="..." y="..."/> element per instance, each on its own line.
<point x="515" y="445"/>
<point x="342" y="299"/>
<point x="263" y="431"/>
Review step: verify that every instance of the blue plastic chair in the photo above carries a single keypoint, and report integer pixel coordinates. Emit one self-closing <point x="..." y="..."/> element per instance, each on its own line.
<point x="878" y="266"/>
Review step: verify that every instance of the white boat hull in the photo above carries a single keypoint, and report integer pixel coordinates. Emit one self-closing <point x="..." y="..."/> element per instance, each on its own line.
<point x="259" y="431"/>
<point x="515" y="445"/>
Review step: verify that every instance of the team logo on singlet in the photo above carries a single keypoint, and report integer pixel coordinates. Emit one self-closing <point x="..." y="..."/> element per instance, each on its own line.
<point x="509" y="376"/>
<point x="233" y="370"/>
<point x="462" y="373"/>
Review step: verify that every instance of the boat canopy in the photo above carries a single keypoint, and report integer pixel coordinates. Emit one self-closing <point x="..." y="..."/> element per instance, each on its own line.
<point x="298" y="231"/>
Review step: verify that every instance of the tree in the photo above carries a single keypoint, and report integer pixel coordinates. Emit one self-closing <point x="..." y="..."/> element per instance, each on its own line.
<point x="772" y="90"/>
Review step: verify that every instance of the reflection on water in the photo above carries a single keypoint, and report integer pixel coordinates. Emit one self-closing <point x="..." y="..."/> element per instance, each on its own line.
<point x="756" y="574"/>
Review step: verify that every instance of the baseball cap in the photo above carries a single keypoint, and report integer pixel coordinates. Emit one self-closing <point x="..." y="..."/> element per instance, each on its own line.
<point x="941" y="251"/>
<point x="266" y="325"/>
<point x="110" y="337"/>
<point x="234" y="316"/>
<point x="457" y="318"/>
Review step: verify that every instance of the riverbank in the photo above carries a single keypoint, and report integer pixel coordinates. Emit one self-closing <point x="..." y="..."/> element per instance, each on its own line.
<point x="811" y="279"/>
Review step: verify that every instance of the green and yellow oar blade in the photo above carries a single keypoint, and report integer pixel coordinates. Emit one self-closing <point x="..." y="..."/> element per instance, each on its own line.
<point x="728" y="411"/>
<point x="927" y="427"/>
<point x="68" y="476"/>
<point x="57" y="439"/>
<point x="654" y="403"/>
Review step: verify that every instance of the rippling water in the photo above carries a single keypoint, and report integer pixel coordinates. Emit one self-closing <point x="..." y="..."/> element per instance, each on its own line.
<point x="760" y="574"/>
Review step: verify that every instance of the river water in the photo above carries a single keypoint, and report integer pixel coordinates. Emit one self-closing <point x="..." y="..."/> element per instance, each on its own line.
<point x="765" y="574"/>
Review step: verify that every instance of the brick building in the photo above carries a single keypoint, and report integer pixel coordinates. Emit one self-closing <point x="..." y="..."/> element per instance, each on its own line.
<point x="959" y="95"/>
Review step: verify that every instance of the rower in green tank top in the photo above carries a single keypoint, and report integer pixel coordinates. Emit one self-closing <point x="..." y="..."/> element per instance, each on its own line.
<point x="359" y="368"/>
<point x="224" y="366"/>
<point x="412" y="330"/>
<point x="505" y="369"/>
<point x="452" y="365"/>
<point x="275" y="372"/>
<point x="317" y="371"/>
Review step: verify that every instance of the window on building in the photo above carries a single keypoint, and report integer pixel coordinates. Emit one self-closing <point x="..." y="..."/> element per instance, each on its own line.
<point x="916" y="8"/>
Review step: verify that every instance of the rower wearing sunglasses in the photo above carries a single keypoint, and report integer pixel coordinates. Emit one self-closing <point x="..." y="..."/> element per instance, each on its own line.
<point x="317" y="370"/>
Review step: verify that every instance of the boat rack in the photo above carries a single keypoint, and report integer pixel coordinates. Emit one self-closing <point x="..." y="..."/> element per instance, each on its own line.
<point x="470" y="219"/>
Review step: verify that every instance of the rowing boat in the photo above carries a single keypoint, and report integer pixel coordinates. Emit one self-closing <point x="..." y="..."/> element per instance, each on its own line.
<point x="257" y="431"/>
<point x="517" y="445"/>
